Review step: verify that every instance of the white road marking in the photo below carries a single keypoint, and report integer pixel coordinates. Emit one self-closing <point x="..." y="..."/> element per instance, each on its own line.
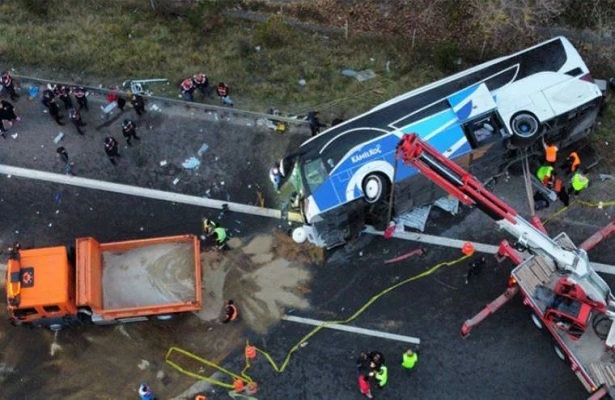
<point x="352" y="329"/>
<point x="143" y="192"/>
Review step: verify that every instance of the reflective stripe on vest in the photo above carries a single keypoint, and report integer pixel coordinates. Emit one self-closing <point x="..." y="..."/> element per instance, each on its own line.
<point x="544" y="172"/>
<point x="382" y="376"/>
<point x="576" y="161"/>
<point x="551" y="153"/>
<point x="409" y="361"/>
<point x="579" y="182"/>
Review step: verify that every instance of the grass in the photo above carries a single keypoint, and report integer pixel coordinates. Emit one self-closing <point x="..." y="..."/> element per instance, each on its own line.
<point x="113" y="41"/>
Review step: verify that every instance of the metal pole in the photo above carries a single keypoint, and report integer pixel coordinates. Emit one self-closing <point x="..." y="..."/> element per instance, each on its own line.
<point x="527" y="180"/>
<point x="392" y="195"/>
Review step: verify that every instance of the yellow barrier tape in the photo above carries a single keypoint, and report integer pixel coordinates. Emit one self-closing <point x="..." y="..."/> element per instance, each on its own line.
<point x="600" y="204"/>
<point x="302" y="340"/>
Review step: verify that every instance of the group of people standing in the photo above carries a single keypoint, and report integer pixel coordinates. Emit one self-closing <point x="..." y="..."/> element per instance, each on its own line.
<point x="200" y="82"/>
<point x="371" y="366"/>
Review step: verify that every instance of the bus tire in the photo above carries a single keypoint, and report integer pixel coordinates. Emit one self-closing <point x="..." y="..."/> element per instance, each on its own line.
<point x="536" y="320"/>
<point x="375" y="187"/>
<point x="560" y="353"/>
<point x="525" y="128"/>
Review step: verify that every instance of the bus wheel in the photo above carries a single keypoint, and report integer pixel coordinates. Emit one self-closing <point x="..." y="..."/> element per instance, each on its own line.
<point x="525" y="128"/>
<point x="559" y="352"/>
<point x="536" y="320"/>
<point x="375" y="187"/>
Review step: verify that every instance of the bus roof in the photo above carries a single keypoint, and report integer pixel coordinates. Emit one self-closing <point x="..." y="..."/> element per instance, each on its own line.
<point x="417" y="104"/>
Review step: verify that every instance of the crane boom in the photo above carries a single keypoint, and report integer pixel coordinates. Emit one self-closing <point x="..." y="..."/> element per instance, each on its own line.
<point x="459" y="183"/>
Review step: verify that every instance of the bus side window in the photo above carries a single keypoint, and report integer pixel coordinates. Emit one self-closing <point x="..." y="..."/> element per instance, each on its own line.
<point x="482" y="131"/>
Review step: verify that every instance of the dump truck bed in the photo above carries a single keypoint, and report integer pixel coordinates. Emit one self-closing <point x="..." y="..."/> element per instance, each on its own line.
<point x="139" y="277"/>
<point x="594" y="360"/>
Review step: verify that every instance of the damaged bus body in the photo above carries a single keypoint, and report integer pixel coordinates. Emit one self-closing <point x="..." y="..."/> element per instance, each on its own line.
<point x="479" y="117"/>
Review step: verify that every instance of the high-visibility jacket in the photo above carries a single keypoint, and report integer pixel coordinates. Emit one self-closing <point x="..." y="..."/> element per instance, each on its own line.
<point x="220" y="233"/>
<point x="544" y="173"/>
<point x="382" y="376"/>
<point x="551" y="153"/>
<point x="575" y="161"/>
<point x="409" y="361"/>
<point x="579" y="182"/>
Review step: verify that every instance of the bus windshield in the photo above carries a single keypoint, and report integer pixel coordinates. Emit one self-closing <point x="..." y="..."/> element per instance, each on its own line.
<point x="315" y="173"/>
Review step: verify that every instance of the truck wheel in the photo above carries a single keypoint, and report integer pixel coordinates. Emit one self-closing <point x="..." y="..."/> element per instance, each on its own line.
<point x="560" y="353"/>
<point x="536" y="320"/>
<point x="375" y="187"/>
<point x="55" y="327"/>
<point x="525" y="128"/>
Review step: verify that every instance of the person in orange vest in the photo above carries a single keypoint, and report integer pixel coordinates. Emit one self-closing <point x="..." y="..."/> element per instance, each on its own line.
<point x="573" y="162"/>
<point x="550" y="152"/>
<point x="231" y="312"/>
<point x="187" y="87"/>
<point x="9" y="86"/>
<point x="224" y="92"/>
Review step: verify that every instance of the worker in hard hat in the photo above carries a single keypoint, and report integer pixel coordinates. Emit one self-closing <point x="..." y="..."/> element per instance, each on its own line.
<point x="578" y="182"/>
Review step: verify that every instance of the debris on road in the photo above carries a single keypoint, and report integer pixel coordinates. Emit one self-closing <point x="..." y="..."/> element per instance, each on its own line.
<point x="175" y="181"/>
<point x="202" y="149"/>
<point x="163" y="163"/>
<point x="59" y="137"/>
<point x="191" y="163"/>
<point x="365" y="75"/>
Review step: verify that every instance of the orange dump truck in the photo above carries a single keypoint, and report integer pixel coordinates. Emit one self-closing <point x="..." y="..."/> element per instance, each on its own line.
<point x="104" y="283"/>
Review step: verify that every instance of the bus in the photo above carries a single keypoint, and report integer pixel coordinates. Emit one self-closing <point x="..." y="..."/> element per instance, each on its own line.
<point x="480" y="117"/>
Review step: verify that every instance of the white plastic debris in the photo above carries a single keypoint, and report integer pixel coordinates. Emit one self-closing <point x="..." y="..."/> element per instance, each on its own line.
<point x="302" y="82"/>
<point x="50" y="225"/>
<point x="14" y="136"/>
<point x="141" y="229"/>
<point x="59" y="137"/>
<point x="202" y="149"/>
<point x="163" y="163"/>
<point x="191" y="163"/>
<point x="175" y="181"/>
<point x="57" y="211"/>
<point x="154" y="107"/>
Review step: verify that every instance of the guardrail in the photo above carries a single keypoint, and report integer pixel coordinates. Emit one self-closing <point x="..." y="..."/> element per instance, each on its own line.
<point x="205" y="107"/>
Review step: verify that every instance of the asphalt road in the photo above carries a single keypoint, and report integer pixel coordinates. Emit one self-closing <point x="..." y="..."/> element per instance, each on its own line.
<point x="504" y="358"/>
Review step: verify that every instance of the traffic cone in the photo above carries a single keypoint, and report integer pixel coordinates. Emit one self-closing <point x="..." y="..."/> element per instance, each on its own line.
<point x="467" y="249"/>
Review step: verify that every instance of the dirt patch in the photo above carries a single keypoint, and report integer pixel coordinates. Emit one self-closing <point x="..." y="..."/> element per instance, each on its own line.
<point x="261" y="281"/>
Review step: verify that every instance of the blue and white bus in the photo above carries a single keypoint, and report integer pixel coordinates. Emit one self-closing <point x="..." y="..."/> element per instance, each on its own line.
<point x="480" y="117"/>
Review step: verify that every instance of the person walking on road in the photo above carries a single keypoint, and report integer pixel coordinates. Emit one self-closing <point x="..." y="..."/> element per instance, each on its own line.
<point x="475" y="268"/>
<point x="231" y="312"/>
<point x="111" y="149"/>
<point x="7" y="113"/>
<point x="364" y="386"/>
<point x="63" y="155"/>
<point x="145" y="392"/>
<point x="138" y="103"/>
<point x="9" y="85"/>
<point x="81" y="96"/>
<point x="409" y="359"/>
<point x="129" y="130"/>
<point x="75" y="116"/>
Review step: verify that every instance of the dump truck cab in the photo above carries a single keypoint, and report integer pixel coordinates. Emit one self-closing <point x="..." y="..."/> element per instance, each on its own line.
<point x="41" y="287"/>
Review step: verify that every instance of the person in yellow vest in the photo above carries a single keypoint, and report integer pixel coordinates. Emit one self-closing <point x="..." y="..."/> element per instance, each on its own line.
<point x="550" y="152"/>
<point x="578" y="183"/>
<point x="573" y="162"/>
<point x="409" y="359"/>
<point x="546" y="175"/>
<point x="382" y="376"/>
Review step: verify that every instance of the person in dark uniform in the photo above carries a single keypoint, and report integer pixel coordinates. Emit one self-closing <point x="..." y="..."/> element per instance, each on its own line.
<point x="111" y="148"/>
<point x="63" y="93"/>
<point x="315" y="123"/>
<point x="201" y="83"/>
<point x="475" y="268"/>
<point x="231" y="313"/>
<point x="129" y="129"/>
<point x="7" y="111"/>
<point x="47" y="96"/>
<point x="75" y="116"/>
<point x="376" y="360"/>
<point x="81" y="96"/>
<point x="138" y="103"/>
<point x="54" y="110"/>
<point x="9" y="85"/>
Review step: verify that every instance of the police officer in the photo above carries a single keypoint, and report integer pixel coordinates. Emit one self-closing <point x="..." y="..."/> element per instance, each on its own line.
<point x="75" y="116"/>
<point x="111" y="148"/>
<point x="231" y="313"/>
<point x="54" y="110"/>
<point x="9" y="85"/>
<point x="63" y="92"/>
<point x="579" y="182"/>
<point x="81" y="96"/>
<point x="47" y="96"/>
<point x="187" y="88"/>
<point x="138" y="103"/>
<point x="224" y="92"/>
<point x="129" y="129"/>
<point x="202" y="83"/>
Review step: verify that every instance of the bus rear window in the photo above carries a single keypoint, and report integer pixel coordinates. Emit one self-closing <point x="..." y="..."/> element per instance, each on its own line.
<point x="314" y="173"/>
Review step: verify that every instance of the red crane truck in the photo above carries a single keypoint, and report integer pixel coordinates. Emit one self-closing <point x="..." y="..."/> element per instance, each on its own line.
<point x="566" y="296"/>
<point x="104" y="283"/>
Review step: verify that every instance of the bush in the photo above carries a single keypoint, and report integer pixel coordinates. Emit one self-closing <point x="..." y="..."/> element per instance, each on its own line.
<point x="273" y="32"/>
<point x="36" y="7"/>
<point x="446" y="55"/>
